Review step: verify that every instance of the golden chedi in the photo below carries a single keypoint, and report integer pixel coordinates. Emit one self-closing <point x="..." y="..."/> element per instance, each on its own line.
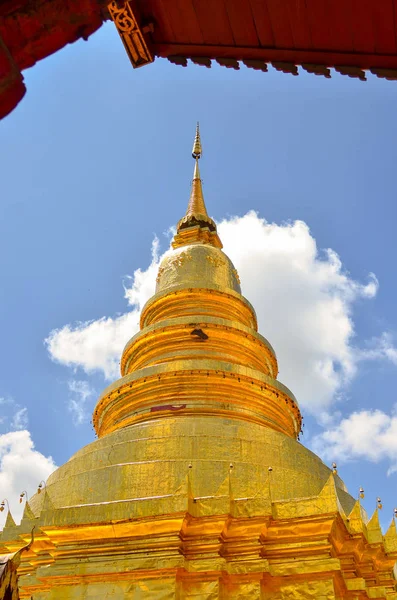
<point x="197" y="486"/>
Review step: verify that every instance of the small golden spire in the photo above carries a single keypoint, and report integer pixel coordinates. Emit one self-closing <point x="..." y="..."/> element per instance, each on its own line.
<point x="196" y="224"/>
<point x="196" y="207"/>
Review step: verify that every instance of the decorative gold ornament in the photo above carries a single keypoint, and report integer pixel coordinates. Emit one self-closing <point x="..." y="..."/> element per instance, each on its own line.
<point x="216" y="261"/>
<point x="236" y="275"/>
<point x="182" y="258"/>
<point x="159" y="274"/>
<point x="132" y="35"/>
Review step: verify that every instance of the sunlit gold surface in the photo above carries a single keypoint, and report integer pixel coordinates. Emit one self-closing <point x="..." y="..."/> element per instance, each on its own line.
<point x="200" y="266"/>
<point x="152" y="460"/>
<point x="197" y="486"/>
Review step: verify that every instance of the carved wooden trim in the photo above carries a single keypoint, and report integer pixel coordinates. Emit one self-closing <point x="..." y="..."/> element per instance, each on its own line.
<point x="131" y="34"/>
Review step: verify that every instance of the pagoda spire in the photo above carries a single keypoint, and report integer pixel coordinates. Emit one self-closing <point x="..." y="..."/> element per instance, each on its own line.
<point x="196" y="215"/>
<point x="196" y="207"/>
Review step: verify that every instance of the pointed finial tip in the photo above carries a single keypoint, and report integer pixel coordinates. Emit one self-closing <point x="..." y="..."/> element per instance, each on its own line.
<point x="197" y="149"/>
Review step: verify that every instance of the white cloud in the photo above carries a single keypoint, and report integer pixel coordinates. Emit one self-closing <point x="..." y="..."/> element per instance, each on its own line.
<point x="13" y="415"/>
<point x="20" y="419"/>
<point x="80" y="393"/>
<point x="97" y="345"/>
<point x="142" y="284"/>
<point x="21" y="469"/>
<point x="304" y="301"/>
<point x="369" y="434"/>
<point x="93" y="345"/>
<point x="379" y="348"/>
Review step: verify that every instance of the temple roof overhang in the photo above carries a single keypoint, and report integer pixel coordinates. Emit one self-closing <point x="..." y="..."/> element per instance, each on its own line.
<point x="347" y="35"/>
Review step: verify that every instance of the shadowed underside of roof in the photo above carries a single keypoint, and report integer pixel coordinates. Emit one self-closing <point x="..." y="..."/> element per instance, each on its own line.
<point x="350" y="36"/>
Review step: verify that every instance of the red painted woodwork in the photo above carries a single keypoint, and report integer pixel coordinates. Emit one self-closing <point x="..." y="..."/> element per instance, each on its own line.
<point x="33" y="29"/>
<point x="349" y="35"/>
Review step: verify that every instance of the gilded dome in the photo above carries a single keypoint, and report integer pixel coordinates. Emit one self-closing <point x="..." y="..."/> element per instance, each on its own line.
<point x="197" y="265"/>
<point x="151" y="460"/>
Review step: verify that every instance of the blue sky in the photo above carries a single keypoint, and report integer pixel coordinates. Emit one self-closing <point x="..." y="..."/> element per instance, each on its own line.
<point x="96" y="161"/>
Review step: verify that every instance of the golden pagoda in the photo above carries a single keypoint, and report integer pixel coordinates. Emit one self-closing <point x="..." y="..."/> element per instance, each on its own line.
<point x="197" y="486"/>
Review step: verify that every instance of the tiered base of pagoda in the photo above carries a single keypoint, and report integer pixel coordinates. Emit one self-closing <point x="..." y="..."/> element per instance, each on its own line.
<point x="256" y="549"/>
<point x="247" y="513"/>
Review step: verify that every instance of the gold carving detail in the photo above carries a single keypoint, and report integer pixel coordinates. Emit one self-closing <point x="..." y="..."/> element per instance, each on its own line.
<point x="182" y="258"/>
<point x="131" y="34"/>
<point x="159" y="274"/>
<point x="215" y="260"/>
<point x="196" y="234"/>
<point x="236" y="275"/>
<point x="123" y="21"/>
